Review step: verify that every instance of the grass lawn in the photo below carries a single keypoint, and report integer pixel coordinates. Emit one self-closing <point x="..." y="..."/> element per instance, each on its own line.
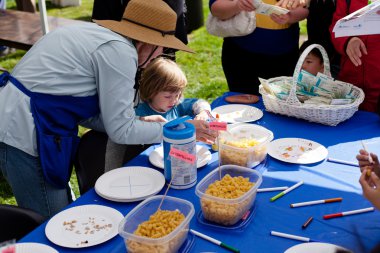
<point x="203" y="69"/>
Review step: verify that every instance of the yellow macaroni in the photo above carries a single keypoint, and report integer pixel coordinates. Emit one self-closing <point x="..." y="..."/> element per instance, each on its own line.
<point x="170" y="246"/>
<point x="243" y="143"/>
<point x="223" y="212"/>
<point x="243" y="153"/>
<point x="229" y="187"/>
<point x="160" y="224"/>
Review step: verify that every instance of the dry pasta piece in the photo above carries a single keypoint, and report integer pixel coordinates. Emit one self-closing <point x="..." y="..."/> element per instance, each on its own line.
<point x="369" y="170"/>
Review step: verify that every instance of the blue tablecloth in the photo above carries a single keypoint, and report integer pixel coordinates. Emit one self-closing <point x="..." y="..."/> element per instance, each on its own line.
<point x="323" y="180"/>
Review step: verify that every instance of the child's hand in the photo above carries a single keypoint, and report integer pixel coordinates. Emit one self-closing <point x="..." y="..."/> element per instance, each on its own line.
<point x="364" y="163"/>
<point x="280" y="19"/>
<point x="203" y="133"/>
<point x="371" y="188"/>
<point x="203" y="115"/>
<point x="153" y="118"/>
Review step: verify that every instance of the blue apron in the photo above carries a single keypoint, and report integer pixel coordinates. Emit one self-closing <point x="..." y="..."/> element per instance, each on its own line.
<point x="56" y="119"/>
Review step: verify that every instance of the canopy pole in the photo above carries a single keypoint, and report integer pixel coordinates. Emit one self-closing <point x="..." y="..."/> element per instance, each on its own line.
<point x="43" y="16"/>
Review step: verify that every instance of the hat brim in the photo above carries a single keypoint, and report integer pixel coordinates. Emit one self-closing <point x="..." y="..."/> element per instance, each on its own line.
<point x="143" y="34"/>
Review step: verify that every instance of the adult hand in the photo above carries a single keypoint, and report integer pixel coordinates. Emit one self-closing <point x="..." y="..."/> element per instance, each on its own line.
<point x="355" y="50"/>
<point x="280" y="19"/>
<point x="153" y="118"/>
<point x="245" y="5"/>
<point x="203" y="133"/>
<point x="364" y="163"/>
<point x="203" y="115"/>
<point x="371" y="188"/>
<point x="291" y="4"/>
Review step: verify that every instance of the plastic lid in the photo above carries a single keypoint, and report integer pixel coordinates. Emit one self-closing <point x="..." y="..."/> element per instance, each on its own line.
<point x="179" y="129"/>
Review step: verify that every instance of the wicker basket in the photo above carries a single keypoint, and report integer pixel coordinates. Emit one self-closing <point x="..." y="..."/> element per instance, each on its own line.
<point x="330" y="115"/>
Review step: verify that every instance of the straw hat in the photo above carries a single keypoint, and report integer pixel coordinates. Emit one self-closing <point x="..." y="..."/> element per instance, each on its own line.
<point x="149" y="21"/>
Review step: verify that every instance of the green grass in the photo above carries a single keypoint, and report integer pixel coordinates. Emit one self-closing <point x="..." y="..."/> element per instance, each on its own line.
<point x="203" y="69"/>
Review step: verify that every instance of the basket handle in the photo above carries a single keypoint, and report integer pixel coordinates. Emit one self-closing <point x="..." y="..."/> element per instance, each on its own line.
<point x="292" y="98"/>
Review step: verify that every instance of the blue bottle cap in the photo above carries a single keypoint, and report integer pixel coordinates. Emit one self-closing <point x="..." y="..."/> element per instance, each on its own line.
<point x="179" y="129"/>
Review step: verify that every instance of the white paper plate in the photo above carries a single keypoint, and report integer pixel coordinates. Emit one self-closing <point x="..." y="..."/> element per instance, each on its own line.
<point x="29" y="247"/>
<point x="237" y="113"/>
<point x="128" y="184"/>
<point x="83" y="226"/>
<point x="314" y="247"/>
<point x="296" y="150"/>
<point x="156" y="157"/>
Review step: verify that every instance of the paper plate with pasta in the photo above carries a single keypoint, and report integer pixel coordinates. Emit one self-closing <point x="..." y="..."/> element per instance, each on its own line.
<point x="235" y="113"/>
<point x="83" y="226"/>
<point x="297" y="150"/>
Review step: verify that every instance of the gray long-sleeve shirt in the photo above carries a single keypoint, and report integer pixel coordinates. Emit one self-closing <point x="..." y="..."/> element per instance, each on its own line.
<point x="79" y="60"/>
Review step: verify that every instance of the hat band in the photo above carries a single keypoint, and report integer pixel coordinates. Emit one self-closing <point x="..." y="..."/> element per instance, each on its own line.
<point x="155" y="29"/>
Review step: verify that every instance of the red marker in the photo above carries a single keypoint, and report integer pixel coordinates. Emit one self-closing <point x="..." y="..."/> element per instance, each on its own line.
<point x="336" y="215"/>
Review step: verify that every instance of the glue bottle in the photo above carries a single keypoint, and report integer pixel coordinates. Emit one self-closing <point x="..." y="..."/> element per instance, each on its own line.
<point x="180" y="135"/>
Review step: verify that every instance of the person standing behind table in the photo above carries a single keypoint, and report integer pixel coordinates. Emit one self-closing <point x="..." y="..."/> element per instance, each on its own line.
<point x="161" y="90"/>
<point x="271" y="50"/>
<point x="78" y="74"/>
<point x="318" y="24"/>
<point x="360" y="55"/>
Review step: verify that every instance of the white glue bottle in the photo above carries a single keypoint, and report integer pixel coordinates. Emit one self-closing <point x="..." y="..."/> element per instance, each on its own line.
<point x="179" y="135"/>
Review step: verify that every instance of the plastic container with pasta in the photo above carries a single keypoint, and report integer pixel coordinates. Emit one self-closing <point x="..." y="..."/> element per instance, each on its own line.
<point x="244" y="144"/>
<point x="141" y="213"/>
<point x="222" y="210"/>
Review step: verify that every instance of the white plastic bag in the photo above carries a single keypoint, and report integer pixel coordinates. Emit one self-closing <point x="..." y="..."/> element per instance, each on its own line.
<point x="239" y="25"/>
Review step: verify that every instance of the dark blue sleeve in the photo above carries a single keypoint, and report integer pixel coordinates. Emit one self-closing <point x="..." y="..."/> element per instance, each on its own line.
<point x="143" y="110"/>
<point x="186" y="107"/>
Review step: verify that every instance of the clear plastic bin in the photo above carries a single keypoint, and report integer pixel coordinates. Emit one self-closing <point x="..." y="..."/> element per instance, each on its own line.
<point x="227" y="211"/>
<point x="238" y="135"/>
<point x="167" y="244"/>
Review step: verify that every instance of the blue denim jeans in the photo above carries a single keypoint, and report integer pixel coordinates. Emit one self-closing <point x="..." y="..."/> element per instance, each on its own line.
<point x="24" y="174"/>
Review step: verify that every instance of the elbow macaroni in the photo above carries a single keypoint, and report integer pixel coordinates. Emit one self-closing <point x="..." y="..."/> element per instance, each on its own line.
<point x="243" y="153"/>
<point x="160" y="224"/>
<point x="228" y="188"/>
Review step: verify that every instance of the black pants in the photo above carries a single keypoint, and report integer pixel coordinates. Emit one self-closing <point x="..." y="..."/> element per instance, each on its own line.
<point x="243" y="68"/>
<point x="90" y="158"/>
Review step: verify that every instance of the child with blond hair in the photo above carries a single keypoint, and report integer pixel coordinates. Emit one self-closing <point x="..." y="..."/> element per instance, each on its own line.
<point x="161" y="90"/>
